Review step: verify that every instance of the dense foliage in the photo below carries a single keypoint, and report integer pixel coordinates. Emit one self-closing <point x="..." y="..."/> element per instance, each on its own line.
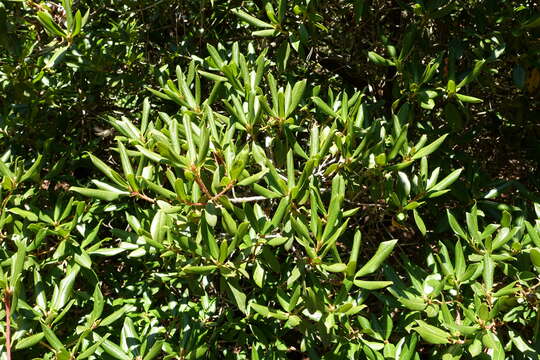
<point x="284" y="179"/>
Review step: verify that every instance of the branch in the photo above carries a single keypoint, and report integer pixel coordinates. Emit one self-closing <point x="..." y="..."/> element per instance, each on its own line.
<point x="247" y="199"/>
<point x="199" y="182"/>
<point x="143" y="197"/>
<point x="222" y="192"/>
<point x="7" y="294"/>
<point x="153" y="201"/>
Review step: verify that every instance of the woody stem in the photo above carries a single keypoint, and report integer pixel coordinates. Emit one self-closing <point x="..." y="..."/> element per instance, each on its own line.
<point x="7" y="303"/>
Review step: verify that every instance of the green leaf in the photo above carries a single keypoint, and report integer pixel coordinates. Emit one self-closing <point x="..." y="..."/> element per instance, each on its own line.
<point x="455" y="225"/>
<point x="154" y="351"/>
<point x="4" y="170"/>
<point x="97" y="309"/>
<point x="475" y="348"/>
<point x="112" y="349"/>
<point x="63" y="294"/>
<point x="167" y="194"/>
<point x="228" y="222"/>
<point x="447" y="181"/>
<point x="208" y="239"/>
<point x="110" y="173"/>
<point x="503" y="236"/>
<point x="469" y="99"/>
<point x="157" y="228"/>
<point x="92" y="349"/>
<point x="126" y="164"/>
<point x="265" y="33"/>
<point x="294" y="298"/>
<point x="212" y="76"/>
<point x="379" y="60"/>
<point x="432" y="334"/>
<point x="28" y="215"/>
<point x="251" y="19"/>
<point x="215" y="56"/>
<point x="330" y="243"/>
<point x="335" y="268"/>
<point x="238" y="296"/>
<point x="399" y="142"/>
<point x="56" y="56"/>
<point x="49" y="24"/>
<point x="17" y="265"/>
<point x="415" y="304"/>
<point x="491" y="341"/>
<point x="161" y="95"/>
<point x="183" y="86"/>
<point x="533" y="234"/>
<point x="372" y="285"/>
<point x="300" y="228"/>
<point x="383" y="251"/>
<point x="261" y="309"/>
<point x="353" y="259"/>
<point x="52" y="339"/>
<point x="324" y="107"/>
<point x="202" y="270"/>
<point x="39" y="289"/>
<point x="334" y="209"/>
<point x="419" y="222"/>
<point x="521" y="344"/>
<point x="192" y="151"/>
<point x="77" y="26"/>
<point x="472" y="75"/>
<point x="426" y="150"/>
<point x="83" y="259"/>
<point x="107" y="187"/>
<point x="277" y="241"/>
<point x="380" y="159"/>
<point x="258" y="275"/>
<point x="253" y="178"/>
<point x="296" y="96"/>
<point x="459" y="262"/>
<point x="29" y="341"/>
<point x="204" y="143"/>
<point x="535" y="257"/>
<point x="107" y="251"/>
<point x="150" y="154"/>
<point x="114" y="316"/>
<point x="404" y="185"/>
<point x="69" y="13"/>
<point x="129" y="339"/>
<point x="33" y="170"/>
<point x="489" y="268"/>
<point x="211" y="214"/>
<point x="95" y="193"/>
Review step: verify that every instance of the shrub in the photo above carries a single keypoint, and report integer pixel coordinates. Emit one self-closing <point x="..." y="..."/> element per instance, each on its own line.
<point x="261" y="189"/>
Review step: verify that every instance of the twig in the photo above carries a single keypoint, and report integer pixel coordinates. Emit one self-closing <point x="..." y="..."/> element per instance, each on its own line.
<point x="7" y="295"/>
<point x="222" y="192"/>
<point x="149" y="6"/>
<point x="199" y="182"/>
<point x="365" y="204"/>
<point x="206" y="192"/>
<point x="143" y="197"/>
<point x="247" y="199"/>
<point x="153" y="201"/>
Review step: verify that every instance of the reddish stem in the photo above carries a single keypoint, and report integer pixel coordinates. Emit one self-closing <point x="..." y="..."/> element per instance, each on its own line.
<point x="201" y="184"/>
<point x="227" y="188"/>
<point x="8" y="323"/>
<point x="142" y="196"/>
